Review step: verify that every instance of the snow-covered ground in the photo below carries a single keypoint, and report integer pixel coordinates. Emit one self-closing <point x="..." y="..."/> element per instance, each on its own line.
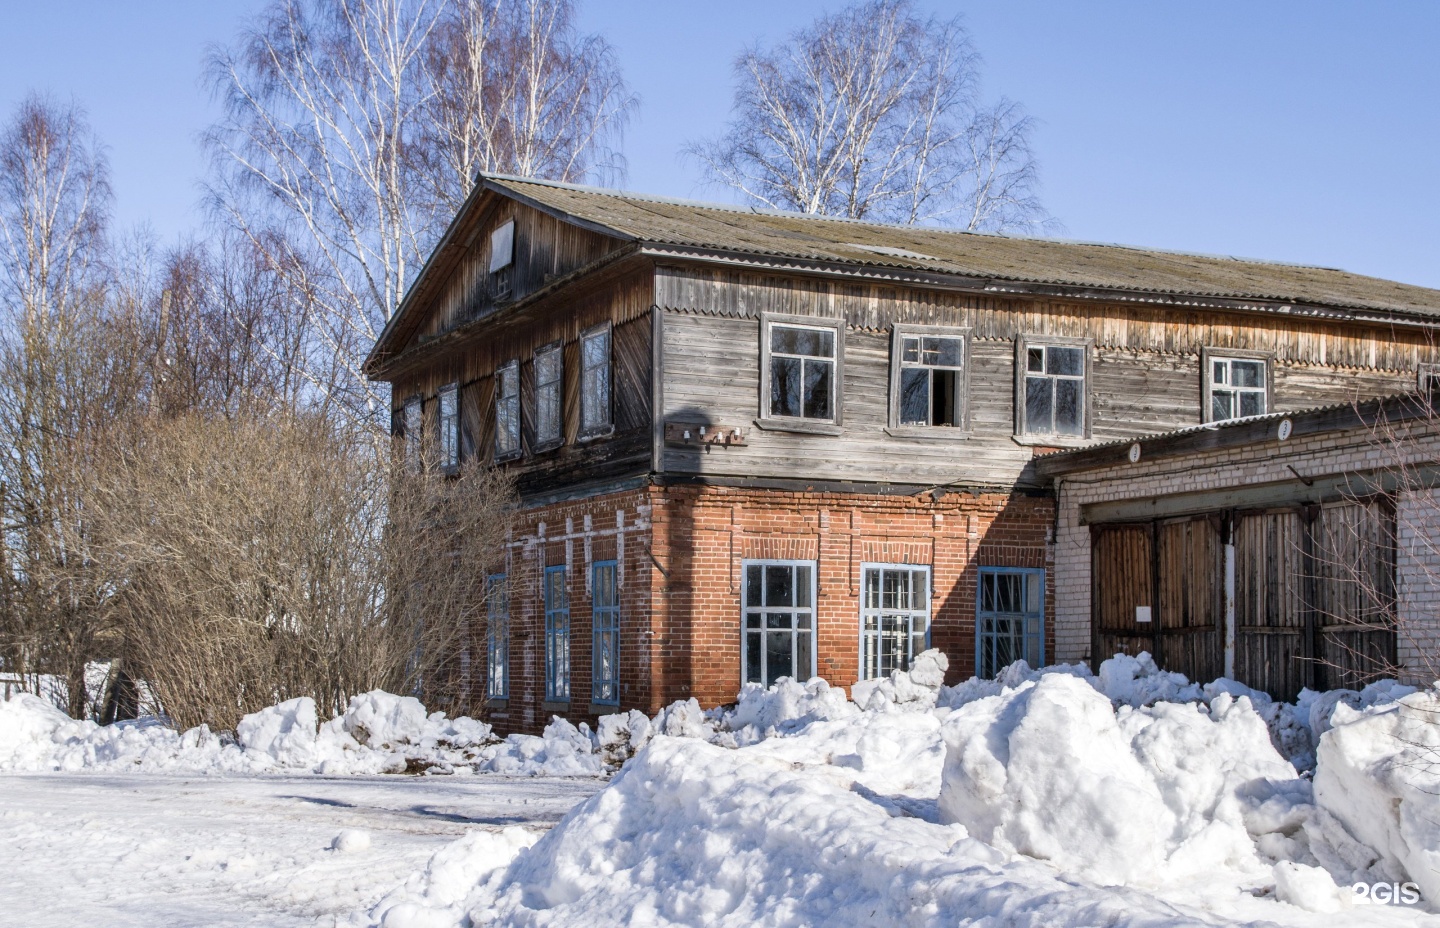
<point x="1051" y="797"/>
<point x="154" y="851"/>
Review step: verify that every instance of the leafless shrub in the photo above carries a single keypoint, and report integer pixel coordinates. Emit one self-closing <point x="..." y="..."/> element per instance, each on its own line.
<point x="256" y="559"/>
<point x="875" y="113"/>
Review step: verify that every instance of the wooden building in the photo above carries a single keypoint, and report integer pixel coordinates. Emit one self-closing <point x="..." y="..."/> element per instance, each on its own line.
<point x="754" y="444"/>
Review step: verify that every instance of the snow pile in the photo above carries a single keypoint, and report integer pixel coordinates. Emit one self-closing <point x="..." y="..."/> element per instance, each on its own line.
<point x="1045" y="797"/>
<point x="784" y="708"/>
<point x="691" y="833"/>
<point x="1051" y="771"/>
<point x="919" y="686"/>
<point x="562" y="751"/>
<point x="378" y="733"/>
<point x="1377" y="786"/>
<point x="436" y="895"/>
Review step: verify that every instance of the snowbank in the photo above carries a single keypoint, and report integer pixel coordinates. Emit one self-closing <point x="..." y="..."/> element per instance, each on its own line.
<point x="378" y="733"/>
<point x="1045" y="797"/>
<point x="1050" y="770"/>
<point x="1377" y="784"/>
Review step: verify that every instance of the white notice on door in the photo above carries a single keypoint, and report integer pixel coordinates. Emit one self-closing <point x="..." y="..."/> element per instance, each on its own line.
<point x="1142" y="613"/>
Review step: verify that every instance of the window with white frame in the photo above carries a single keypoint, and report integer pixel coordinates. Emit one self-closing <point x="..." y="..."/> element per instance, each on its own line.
<point x="549" y="373"/>
<point x="800" y="371"/>
<point x="412" y="421"/>
<point x="894" y="617"/>
<point x="779" y="621"/>
<point x="507" y="412"/>
<point x="605" y="625"/>
<point x="595" y="381"/>
<point x="1053" y="397"/>
<point x="557" y="635"/>
<point x="1237" y="388"/>
<point x="928" y="367"/>
<point x="450" y="426"/>
<point x="497" y="637"/>
<point x="1010" y="618"/>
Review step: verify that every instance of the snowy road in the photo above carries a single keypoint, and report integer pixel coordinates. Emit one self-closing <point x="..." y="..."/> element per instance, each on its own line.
<point x="154" y="851"/>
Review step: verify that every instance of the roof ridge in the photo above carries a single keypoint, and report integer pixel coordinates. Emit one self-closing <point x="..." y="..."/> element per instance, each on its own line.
<point x="815" y="217"/>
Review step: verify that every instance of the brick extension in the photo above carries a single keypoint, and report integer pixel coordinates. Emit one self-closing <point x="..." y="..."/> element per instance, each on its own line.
<point x="680" y="551"/>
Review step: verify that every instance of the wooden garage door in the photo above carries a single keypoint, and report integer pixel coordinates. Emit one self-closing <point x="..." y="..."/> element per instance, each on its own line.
<point x="1173" y="569"/>
<point x="1191" y="580"/>
<point x="1315" y="596"/>
<point x="1121" y="579"/>
<point x="1352" y="593"/>
<point x="1270" y="640"/>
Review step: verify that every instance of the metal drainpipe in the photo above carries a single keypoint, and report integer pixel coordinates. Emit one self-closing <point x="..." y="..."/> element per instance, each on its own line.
<point x="1230" y="600"/>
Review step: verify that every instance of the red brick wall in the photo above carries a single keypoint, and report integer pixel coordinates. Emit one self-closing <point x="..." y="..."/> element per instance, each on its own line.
<point x="702" y="535"/>
<point x="680" y="590"/>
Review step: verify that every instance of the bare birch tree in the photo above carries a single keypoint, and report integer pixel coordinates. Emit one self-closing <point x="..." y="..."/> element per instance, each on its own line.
<point x="65" y="367"/>
<point x="875" y="113"/>
<point x="354" y="129"/>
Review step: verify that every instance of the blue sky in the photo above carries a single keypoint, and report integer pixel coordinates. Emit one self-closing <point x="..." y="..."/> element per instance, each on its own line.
<point x="1294" y="131"/>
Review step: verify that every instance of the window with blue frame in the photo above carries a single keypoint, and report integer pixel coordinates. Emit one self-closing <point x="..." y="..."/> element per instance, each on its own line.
<point x="894" y="617"/>
<point x="1009" y="618"/>
<point x="605" y="643"/>
<point x="557" y="635"/>
<point x="497" y="637"/>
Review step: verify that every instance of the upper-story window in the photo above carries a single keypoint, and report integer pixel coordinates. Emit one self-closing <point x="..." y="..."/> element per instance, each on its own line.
<point x="1428" y="381"/>
<point x="801" y="370"/>
<point x="502" y="260"/>
<point x="1238" y="387"/>
<point x="450" y="426"/>
<point x="412" y="422"/>
<point x="549" y="374"/>
<point x="595" y="414"/>
<point x="928" y="377"/>
<point x="507" y="412"/>
<point x="1053" y="397"/>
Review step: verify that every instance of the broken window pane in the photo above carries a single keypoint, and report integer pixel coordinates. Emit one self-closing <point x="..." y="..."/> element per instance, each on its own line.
<point x="1039" y="404"/>
<point x="915" y="397"/>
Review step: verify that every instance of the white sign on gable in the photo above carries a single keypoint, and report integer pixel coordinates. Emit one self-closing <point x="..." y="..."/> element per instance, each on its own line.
<point x="502" y="247"/>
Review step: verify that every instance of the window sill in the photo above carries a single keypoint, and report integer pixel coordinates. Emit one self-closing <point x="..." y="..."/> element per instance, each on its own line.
<point x="929" y="432"/>
<point x="604" y="708"/>
<point x="555" y="706"/>
<point x="806" y="426"/>
<point x="550" y="445"/>
<point x="508" y="456"/>
<point x="1051" y="441"/>
<point x="586" y="437"/>
<point x="497" y="702"/>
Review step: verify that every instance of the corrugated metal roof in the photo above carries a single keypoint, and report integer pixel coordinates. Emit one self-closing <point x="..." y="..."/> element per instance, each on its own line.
<point x="671" y="222"/>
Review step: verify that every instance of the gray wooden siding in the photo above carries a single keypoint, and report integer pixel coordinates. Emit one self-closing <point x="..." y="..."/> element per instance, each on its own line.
<point x="712" y="378"/>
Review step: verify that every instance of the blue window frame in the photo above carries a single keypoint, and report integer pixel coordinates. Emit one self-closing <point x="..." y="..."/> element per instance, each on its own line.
<point x="1009" y="618"/>
<point x="497" y="637"/>
<point x="605" y="634"/>
<point x="557" y="635"/>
